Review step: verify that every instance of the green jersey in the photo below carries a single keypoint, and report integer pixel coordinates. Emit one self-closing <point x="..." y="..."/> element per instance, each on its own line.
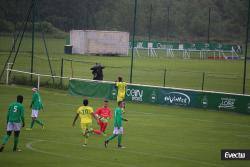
<point x="36" y="103"/>
<point x="118" y="117"/>
<point x="15" y="113"/>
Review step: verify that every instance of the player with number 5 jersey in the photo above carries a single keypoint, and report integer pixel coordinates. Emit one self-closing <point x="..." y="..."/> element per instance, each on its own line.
<point x="15" y="120"/>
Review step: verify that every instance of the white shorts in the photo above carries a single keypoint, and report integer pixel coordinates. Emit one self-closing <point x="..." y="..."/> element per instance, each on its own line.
<point x="118" y="131"/>
<point x="34" y="113"/>
<point x="13" y="126"/>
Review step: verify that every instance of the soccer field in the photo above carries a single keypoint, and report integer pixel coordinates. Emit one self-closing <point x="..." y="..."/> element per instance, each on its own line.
<point x="155" y="135"/>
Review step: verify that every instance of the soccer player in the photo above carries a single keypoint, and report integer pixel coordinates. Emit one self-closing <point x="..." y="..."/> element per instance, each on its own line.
<point x="15" y="120"/>
<point x="85" y="113"/>
<point x="104" y="115"/>
<point x="118" y="129"/>
<point x="36" y="105"/>
<point x="121" y="89"/>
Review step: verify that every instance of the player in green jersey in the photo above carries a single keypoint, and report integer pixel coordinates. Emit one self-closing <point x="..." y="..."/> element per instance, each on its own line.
<point x="15" y="120"/>
<point x="36" y="105"/>
<point x="118" y="129"/>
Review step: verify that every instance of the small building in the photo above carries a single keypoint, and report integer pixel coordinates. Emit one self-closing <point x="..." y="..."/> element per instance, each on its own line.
<point x="99" y="42"/>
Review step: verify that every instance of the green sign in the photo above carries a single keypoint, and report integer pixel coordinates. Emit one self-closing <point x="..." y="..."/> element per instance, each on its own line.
<point x="164" y="96"/>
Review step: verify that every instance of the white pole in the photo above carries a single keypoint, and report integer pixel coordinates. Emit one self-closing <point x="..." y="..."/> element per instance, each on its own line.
<point x="7" y="76"/>
<point x="7" y="73"/>
<point x="38" y="81"/>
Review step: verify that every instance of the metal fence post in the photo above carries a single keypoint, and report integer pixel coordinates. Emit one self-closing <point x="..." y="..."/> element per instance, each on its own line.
<point x="246" y="47"/>
<point x="133" y="41"/>
<point x="7" y="76"/>
<point x="61" y="80"/>
<point x="7" y="73"/>
<point x="164" y="80"/>
<point x="203" y="79"/>
<point x="71" y="66"/>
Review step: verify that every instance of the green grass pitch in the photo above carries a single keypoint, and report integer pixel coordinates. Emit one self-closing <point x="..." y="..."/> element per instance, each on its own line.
<point x="155" y="135"/>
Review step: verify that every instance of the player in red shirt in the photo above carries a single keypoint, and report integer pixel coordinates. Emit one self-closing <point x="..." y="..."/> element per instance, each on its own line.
<point x="104" y="115"/>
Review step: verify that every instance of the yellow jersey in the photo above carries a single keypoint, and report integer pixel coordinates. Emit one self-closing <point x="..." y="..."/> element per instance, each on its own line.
<point x="121" y="86"/>
<point x="85" y="114"/>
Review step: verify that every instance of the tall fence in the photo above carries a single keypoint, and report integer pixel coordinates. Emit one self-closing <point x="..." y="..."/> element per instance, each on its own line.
<point x="165" y="77"/>
<point x="161" y="76"/>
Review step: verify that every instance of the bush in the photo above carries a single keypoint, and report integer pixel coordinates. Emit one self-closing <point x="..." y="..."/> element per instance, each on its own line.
<point x="45" y="26"/>
<point x="63" y="23"/>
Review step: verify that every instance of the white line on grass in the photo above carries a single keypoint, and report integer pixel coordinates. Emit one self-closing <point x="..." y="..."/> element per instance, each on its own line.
<point x="29" y="146"/>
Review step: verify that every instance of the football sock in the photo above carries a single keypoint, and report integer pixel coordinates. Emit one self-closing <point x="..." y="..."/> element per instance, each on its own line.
<point x="39" y="122"/>
<point x="15" y="142"/>
<point x="119" y="140"/>
<point x="5" y="139"/>
<point x="111" y="137"/>
<point x="85" y="140"/>
<point x="1" y="148"/>
<point x="32" y="123"/>
<point x="103" y="128"/>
